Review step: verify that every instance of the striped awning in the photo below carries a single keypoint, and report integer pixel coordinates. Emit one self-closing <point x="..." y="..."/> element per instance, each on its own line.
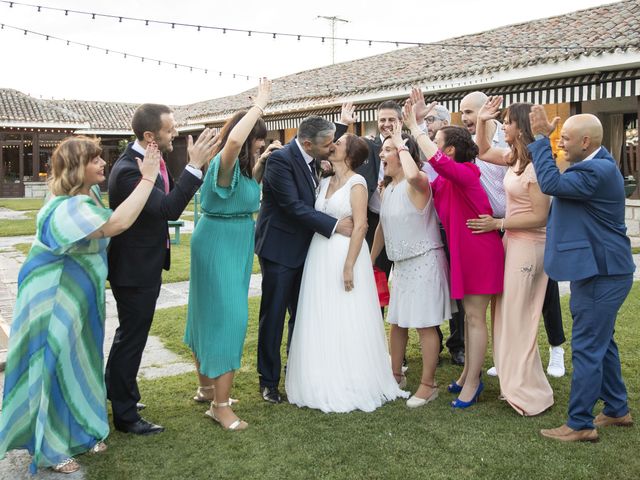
<point x="367" y="112"/>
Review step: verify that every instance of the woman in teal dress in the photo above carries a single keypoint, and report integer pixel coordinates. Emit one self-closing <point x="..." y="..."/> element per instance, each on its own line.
<point x="222" y="258"/>
<point x="54" y="401"/>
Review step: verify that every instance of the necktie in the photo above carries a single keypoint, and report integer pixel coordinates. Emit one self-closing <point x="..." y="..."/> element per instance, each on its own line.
<point x="314" y="175"/>
<point x="164" y="174"/>
<point x="165" y="180"/>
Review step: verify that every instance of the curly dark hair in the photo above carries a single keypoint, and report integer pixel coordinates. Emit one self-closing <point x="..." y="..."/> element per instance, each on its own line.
<point x="414" y="150"/>
<point x="519" y="114"/>
<point x="459" y="138"/>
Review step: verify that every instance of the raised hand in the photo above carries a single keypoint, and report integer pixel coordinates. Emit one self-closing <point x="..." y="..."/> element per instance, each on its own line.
<point x="420" y="107"/>
<point x="348" y="114"/>
<point x="396" y="135"/>
<point x="150" y="165"/>
<point x="203" y="150"/>
<point x="490" y="109"/>
<point x="540" y="123"/>
<point x="264" y="93"/>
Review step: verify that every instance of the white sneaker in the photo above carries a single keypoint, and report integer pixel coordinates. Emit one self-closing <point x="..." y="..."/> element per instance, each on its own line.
<point x="492" y="372"/>
<point x="556" y="362"/>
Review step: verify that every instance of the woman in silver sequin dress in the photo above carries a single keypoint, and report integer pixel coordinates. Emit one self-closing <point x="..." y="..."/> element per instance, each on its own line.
<point x="409" y="230"/>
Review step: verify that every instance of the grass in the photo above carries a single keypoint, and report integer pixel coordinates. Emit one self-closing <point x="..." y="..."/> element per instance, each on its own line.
<point x="635" y="250"/>
<point x="488" y="441"/>
<point x="14" y="228"/>
<point x="21" y="204"/>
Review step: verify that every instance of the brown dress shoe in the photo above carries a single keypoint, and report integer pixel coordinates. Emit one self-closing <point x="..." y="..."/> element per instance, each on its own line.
<point x="568" y="434"/>
<point x="603" y="420"/>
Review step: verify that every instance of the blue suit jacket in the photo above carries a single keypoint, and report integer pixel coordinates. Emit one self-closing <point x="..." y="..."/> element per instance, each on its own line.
<point x="586" y="233"/>
<point x="288" y="218"/>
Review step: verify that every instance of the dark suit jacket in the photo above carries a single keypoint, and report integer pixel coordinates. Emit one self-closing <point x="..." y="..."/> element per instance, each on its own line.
<point x="138" y="255"/>
<point x="371" y="168"/>
<point x="586" y="232"/>
<point x="288" y="218"/>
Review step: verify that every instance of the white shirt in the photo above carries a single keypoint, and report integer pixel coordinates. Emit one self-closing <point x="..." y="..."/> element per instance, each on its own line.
<point x="307" y="159"/>
<point x="189" y="168"/>
<point x="492" y="176"/>
<point x="375" y="201"/>
<point x="592" y="156"/>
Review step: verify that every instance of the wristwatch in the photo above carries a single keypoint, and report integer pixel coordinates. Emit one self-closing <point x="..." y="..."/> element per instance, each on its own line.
<point x="539" y="136"/>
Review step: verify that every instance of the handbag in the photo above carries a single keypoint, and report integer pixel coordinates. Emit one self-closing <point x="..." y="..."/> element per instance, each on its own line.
<point x="382" y="285"/>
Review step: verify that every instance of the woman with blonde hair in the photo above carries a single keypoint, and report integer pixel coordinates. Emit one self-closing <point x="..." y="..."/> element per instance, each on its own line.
<point x="523" y="383"/>
<point x="54" y="395"/>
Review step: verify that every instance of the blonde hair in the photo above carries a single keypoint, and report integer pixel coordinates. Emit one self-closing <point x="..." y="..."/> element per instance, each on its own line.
<point x="68" y="162"/>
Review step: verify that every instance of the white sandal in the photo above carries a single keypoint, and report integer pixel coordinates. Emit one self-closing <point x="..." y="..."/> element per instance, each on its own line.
<point x="201" y="397"/>
<point x="99" y="447"/>
<point x="68" y="466"/>
<point x="236" y="425"/>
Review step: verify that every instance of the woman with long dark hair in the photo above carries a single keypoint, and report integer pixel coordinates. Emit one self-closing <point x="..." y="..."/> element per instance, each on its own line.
<point x="222" y="258"/>
<point x="515" y="333"/>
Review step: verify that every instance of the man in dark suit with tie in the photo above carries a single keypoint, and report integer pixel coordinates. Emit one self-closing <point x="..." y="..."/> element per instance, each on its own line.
<point x="285" y="226"/>
<point x="137" y="256"/>
<point x="587" y="245"/>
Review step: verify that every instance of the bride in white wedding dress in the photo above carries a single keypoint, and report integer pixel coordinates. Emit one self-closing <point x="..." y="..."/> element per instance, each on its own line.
<point x="338" y="359"/>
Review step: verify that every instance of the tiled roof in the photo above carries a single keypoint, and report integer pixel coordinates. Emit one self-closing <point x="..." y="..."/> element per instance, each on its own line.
<point x="17" y="107"/>
<point x="614" y="27"/>
<point x="100" y="115"/>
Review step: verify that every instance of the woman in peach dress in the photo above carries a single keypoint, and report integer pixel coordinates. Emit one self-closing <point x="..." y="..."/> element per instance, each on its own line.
<point x="523" y="383"/>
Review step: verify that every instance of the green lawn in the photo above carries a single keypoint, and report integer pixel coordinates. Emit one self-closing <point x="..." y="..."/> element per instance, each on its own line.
<point x="22" y="204"/>
<point x="13" y="228"/>
<point x="284" y="442"/>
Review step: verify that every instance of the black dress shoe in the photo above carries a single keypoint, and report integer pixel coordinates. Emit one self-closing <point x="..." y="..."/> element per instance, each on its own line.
<point x="141" y="427"/>
<point x="271" y="395"/>
<point x="140" y="406"/>
<point x="457" y="357"/>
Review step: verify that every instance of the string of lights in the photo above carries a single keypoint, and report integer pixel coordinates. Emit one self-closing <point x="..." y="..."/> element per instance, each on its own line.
<point x="155" y="61"/>
<point x="300" y="36"/>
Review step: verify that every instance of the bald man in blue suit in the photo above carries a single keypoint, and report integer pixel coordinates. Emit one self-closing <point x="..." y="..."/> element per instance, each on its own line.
<point x="587" y="245"/>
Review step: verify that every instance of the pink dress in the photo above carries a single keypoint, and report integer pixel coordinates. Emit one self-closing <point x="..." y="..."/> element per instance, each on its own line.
<point x="476" y="260"/>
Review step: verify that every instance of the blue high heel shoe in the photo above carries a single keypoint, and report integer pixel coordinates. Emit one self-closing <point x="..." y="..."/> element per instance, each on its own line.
<point x="454" y="387"/>
<point x="457" y="403"/>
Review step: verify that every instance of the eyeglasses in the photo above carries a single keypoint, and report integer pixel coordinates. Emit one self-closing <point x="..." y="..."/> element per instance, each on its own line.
<point x="432" y="119"/>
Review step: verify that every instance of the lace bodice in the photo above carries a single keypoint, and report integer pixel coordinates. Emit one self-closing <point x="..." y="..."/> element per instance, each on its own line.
<point x="339" y="204"/>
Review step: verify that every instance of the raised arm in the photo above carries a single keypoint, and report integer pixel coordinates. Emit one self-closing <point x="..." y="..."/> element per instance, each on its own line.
<point x="240" y="132"/>
<point x="417" y="179"/>
<point x="578" y="184"/>
<point x="359" y="200"/>
<point x="487" y="113"/>
<point x="127" y="212"/>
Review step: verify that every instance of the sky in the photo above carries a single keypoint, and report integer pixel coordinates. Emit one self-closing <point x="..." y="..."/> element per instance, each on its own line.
<point x="51" y="69"/>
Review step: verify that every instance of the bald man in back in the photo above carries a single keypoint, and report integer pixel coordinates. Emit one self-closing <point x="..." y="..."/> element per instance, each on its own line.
<point x="587" y="245"/>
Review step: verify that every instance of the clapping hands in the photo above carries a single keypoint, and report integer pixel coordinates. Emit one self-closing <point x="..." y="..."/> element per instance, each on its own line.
<point x="150" y="165"/>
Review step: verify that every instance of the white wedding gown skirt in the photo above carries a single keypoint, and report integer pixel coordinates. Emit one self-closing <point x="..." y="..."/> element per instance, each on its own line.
<point x="338" y="360"/>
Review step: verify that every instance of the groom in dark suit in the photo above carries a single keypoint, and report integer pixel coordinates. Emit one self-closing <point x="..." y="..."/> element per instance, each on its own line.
<point x="587" y="245"/>
<point x="285" y="226"/>
<point x="137" y="256"/>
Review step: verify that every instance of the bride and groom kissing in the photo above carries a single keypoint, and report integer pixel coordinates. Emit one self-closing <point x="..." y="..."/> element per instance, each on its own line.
<point x="315" y="265"/>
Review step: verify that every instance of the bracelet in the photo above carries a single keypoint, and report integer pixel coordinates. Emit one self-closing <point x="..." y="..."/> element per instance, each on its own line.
<point x="148" y="180"/>
<point x="259" y="108"/>
<point x="403" y="148"/>
<point x="502" y="226"/>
